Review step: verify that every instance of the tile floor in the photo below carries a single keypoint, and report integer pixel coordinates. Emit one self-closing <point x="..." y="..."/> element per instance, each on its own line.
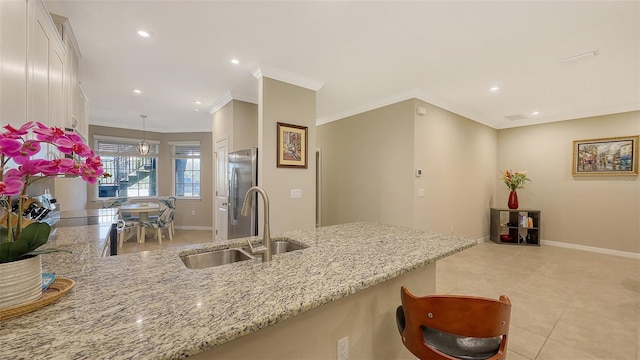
<point x="181" y="238"/>
<point x="566" y="304"/>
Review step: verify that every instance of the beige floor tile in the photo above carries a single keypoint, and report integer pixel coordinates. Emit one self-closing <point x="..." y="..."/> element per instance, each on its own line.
<point x="525" y="342"/>
<point x="553" y="289"/>
<point x="595" y="335"/>
<point x="534" y="312"/>
<point x="553" y="350"/>
<point x="181" y="238"/>
<point x="618" y="309"/>
<point x="512" y="355"/>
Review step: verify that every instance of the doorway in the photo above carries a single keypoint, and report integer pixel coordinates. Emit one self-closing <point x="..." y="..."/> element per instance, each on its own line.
<point x="318" y="187"/>
<point x="222" y="188"/>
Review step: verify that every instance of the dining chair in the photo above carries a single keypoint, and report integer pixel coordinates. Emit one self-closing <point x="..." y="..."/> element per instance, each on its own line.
<point x="454" y="326"/>
<point x="127" y="221"/>
<point x="162" y="221"/>
<point x="170" y="202"/>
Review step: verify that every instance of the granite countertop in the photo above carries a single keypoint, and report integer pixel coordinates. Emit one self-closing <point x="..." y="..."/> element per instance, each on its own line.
<point x="149" y="305"/>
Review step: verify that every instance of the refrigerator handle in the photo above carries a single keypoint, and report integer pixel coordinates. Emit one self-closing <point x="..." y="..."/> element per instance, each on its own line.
<point x="233" y="201"/>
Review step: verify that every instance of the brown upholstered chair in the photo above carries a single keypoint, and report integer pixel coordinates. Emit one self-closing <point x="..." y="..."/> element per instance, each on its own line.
<point x="454" y="326"/>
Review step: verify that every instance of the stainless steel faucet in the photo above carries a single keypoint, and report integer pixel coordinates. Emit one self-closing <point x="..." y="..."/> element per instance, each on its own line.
<point x="265" y="248"/>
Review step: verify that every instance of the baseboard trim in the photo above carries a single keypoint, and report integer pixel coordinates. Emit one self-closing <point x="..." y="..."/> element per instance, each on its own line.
<point x="626" y="254"/>
<point x="182" y="227"/>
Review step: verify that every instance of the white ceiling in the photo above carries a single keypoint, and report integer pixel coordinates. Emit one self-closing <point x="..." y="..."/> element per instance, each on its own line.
<point x="366" y="54"/>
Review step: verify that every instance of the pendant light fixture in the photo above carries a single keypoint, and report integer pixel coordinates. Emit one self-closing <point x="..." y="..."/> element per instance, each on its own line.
<point x="143" y="146"/>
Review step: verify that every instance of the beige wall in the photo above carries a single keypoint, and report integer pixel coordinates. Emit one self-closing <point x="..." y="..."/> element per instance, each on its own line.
<point x="367" y="167"/>
<point x="222" y="125"/>
<point x="458" y="161"/>
<point x="601" y="212"/>
<point x="245" y="125"/>
<point x="184" y="207"/>
<point x="282" y="102"/>
<point x="369" y="162"/>
<point x="238" y="121"/>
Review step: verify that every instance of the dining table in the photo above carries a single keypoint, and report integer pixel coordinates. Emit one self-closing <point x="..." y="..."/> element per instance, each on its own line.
<point x="142" y="209"/>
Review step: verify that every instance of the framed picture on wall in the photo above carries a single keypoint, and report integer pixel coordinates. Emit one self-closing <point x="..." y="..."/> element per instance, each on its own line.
<point x="292" y="146"/>
<point x="617" y="156"/>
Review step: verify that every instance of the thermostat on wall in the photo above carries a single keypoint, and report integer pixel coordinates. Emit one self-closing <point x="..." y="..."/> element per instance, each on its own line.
<point x="418" y="172"/>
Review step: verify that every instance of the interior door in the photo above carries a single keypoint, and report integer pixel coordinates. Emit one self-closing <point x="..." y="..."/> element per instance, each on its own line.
<point x="222" y="188"/>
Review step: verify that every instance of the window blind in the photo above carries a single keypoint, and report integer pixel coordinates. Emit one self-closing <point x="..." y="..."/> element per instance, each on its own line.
<point x="185" y="150"/>
<point x="122" y="147"/>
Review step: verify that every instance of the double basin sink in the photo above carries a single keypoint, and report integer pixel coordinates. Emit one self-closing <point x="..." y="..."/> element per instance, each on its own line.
<point x="233" y="255"/>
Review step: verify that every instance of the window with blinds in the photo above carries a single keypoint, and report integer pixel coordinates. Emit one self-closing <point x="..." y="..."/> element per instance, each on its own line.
<point x="117" y="146"/>
<point x="185" y="157"/>
<point x="132" y="175"/>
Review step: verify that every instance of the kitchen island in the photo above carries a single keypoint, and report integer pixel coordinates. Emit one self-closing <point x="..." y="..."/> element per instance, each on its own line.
<point x="150" y="306"/>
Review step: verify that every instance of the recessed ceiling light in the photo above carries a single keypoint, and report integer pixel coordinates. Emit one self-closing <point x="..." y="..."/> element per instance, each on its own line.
<point x="197" y="109"/>
<point x="535" y="113"/>
<point x="197" y="102"/>
<point x="235" y="61"/>
<point x="137" y="91"/>
<point x="143" y="33"/>
<point x="494" y="88"/>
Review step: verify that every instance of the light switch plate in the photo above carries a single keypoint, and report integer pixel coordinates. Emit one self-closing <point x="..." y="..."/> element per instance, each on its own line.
<point x="296" y="193"/>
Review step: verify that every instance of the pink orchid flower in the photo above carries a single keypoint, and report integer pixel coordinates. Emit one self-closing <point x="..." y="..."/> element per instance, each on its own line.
<point x="83" y="150"/>
<point x="65" y="145"/>
<point x="70" y="145"/>
<point x="28" y="149"/>
<point x="94" y="162"/>
<point x="14" y="133"/>
<point x="48" y="134"/>
<point x="32" y="167"/>
<point x="73" y="137"/>
<point x="10" y="187"/>
<point x="10" y="147"/>
<point x="13" y="174"/>
<point x="56" y="166"/>
<point x="90" y="174"/>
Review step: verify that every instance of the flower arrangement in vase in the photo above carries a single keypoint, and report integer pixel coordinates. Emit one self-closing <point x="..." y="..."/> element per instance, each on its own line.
<point x="514" y="180"/>
<point x="19" y="168"/>
<point x="17" y="241"/>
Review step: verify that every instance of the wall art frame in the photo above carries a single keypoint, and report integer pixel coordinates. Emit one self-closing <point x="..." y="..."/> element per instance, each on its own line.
<point x="614" y="156"/>
<point x="292" y="146"/>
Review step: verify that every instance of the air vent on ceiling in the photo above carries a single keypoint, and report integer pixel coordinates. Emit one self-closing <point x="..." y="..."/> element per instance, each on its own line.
<point x="515" y="117"/>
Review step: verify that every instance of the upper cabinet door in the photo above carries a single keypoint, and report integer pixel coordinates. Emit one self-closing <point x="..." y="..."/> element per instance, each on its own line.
<point x="13" y="52"/>
<point x="46" y="68"/>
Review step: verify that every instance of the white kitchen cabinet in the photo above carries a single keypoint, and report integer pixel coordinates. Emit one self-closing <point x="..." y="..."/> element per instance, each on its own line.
<point x="39" y="60"/>
<point x="13" y="70"/>
<point x="73" y="105"/>
<point x="83" y="114"/>
<point x="45" y="68"/>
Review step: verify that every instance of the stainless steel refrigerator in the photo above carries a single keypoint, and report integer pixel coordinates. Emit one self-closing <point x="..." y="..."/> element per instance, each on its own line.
<point x="243" y="174"/>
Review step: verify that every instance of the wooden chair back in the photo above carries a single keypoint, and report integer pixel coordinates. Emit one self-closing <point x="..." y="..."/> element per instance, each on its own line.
<point x="466" y="316"/>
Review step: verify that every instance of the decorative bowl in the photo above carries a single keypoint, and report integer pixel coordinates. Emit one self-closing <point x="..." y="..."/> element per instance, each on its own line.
<point x="506" y="237"/>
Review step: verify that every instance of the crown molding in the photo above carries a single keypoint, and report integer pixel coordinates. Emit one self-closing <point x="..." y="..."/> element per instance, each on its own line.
<point x="415" y="93"/>
<point x="286" y="76"/>
<point x="220" y="103"/>
<point x="227" y="97"/>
